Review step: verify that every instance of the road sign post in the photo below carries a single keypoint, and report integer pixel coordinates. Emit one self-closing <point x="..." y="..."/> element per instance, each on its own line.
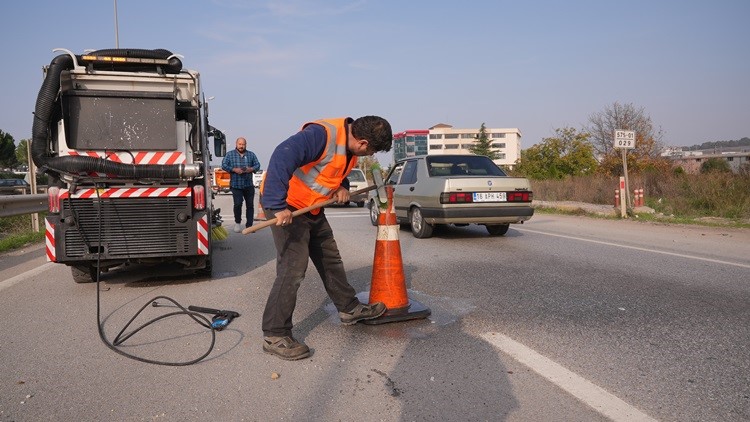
<point x="625" y="140"/>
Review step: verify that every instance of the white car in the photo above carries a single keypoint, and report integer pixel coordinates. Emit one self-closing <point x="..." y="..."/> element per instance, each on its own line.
<point x="357" y="180"/>
<point x="435" y="190"/>
<point x="257" y="178"/>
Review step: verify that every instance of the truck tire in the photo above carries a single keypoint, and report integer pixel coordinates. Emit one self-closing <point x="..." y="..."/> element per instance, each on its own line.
<point x="361" y="204"/>
<point x="419" y="228"/>
<point x="497" y="229"/>
<point x="83" y="273"/>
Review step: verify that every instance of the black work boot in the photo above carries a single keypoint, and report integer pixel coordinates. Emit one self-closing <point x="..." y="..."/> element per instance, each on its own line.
<point x="286" y="348"/>
<point x="362" y="312"/>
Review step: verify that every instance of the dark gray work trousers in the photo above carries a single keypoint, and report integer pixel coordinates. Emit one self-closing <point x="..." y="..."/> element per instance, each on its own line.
<point x="308" y="237"/>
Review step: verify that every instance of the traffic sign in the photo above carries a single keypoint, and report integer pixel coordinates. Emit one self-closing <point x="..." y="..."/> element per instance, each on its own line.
<point x="624" y="139"/>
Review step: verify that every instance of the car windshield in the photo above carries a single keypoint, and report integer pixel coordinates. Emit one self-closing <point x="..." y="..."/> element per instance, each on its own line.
<point x="356" y="176"/>
<point x="471" y="165"/>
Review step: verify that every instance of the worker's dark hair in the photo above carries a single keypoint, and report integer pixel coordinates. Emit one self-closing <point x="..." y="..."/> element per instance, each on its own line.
<point x="376" y="130"/>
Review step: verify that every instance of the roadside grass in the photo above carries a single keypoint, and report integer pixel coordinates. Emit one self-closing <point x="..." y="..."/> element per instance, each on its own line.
<point x="715" y="199"/>
<point x="16" y="232"/>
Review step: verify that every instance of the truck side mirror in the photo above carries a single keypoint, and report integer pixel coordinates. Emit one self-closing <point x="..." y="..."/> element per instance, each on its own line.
<point x="220" y="142"/>
<point x="220" y="147"/>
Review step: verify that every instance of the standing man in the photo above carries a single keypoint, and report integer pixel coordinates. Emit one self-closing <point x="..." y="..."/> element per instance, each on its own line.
<point x="241" y="164"/>
<point x="308" y="168"/>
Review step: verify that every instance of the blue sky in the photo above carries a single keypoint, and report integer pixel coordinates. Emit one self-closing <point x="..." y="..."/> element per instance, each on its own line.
<point x="532" y="65"/>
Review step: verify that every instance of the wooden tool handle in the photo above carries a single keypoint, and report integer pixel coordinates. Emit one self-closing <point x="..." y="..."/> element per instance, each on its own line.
<point x="255" y="227"/>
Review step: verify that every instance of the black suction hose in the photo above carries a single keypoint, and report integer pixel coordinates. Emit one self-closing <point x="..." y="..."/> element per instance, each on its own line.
<point x="46" y="103"/>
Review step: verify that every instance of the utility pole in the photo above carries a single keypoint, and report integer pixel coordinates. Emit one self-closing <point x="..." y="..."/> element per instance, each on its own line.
<point x="117" y="30"/>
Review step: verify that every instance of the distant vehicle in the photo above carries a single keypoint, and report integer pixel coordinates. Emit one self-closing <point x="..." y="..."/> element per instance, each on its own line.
<point x="436" y="190"/>
<point x="221" y="181"/>
<point x="257" y="178"/>
<point x="357" y="180"/>
<point x="14" y="187"/>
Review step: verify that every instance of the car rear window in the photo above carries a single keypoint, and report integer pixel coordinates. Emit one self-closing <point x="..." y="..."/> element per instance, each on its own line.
<point x="469" y="165"/>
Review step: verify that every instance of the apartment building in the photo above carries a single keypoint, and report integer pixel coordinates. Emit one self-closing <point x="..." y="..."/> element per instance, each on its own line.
<point x="445" y="139"/>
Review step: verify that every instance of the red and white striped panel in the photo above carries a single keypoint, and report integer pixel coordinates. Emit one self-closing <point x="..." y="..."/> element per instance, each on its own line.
<point x="134" y="157"/>
<point x="49" y="235"/>
<point x="202" y="228"/>
<point x="128" y="193"/>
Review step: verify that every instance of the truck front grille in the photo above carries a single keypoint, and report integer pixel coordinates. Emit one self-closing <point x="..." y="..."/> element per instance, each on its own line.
<point x="130" y="227"/>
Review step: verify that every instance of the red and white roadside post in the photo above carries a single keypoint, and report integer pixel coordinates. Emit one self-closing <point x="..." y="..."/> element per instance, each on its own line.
<point x="623" y="207"/>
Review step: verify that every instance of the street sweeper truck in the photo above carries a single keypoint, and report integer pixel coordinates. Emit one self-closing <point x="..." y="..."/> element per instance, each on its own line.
<point x="123" y="135"/>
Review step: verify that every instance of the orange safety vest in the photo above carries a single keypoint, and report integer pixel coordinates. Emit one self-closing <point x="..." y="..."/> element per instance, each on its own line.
<point x="315" y="182"/>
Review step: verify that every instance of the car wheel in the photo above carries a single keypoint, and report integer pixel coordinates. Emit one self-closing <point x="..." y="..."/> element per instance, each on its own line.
<point x="419" y="228"/>
<point x="374" y="213"/>
<point x="83" y="273"/>
<point x="497" y="229"/>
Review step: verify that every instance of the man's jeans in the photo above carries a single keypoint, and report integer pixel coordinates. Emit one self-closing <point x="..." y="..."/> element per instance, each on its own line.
<point x="248" y="195"/>
<point x="309" y="237"/>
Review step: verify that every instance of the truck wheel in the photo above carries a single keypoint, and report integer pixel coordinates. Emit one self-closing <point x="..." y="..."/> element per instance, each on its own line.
<point x="205" y="271"/>
<point x="361" y="204"/>
<point x="374" y="212"/>
<point x="419" y="228"/>
<point x="83" y="273"/>
<point x="497" y="229"/>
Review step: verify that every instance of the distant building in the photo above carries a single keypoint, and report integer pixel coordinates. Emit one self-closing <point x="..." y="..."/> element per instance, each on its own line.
<point x="445" y="139"/>
<point x="691" y="161"/>
<point x="410" y="143"/>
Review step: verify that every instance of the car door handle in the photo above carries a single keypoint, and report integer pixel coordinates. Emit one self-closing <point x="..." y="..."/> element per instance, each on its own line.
<point x="411" y="189"/>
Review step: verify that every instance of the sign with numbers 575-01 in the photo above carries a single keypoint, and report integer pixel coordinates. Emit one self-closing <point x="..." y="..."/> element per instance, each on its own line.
<point x="624" y="139"/>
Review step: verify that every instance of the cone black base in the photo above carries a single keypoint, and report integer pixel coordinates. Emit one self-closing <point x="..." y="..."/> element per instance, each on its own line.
<point x="414" y="310"/>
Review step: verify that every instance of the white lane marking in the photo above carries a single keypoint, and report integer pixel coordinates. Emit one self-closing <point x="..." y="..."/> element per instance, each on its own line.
<point x="700" y="258"/>
<point x="589" y="393"/>
<point x="13" y="280"/>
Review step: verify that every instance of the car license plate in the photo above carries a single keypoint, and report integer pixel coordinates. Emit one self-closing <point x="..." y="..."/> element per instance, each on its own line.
<point x="489" y="197"/>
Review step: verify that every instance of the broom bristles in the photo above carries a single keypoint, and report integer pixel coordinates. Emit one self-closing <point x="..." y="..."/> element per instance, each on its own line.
<point x="219" y="233"/>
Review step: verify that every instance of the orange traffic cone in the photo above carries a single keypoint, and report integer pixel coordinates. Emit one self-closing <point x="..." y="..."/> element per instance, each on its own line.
<point x="388" y="283"/>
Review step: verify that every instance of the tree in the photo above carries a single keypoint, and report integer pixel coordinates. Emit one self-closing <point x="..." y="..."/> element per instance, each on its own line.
<point x="483" y="145"/>
<point x="7" y="151"/>
<point x="715" y="165"/>
<point x="602" y="127"/>
<point x="568" y="154"/>
<point x="22" y="152"/>
<point x="367" y="164"/>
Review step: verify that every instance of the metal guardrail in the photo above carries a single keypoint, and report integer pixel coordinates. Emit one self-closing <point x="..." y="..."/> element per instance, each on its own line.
<point x="11" y="205"/>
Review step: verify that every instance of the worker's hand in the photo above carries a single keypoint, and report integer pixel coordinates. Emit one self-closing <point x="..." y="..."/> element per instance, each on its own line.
<point x="342" y="195"/>
<point x="238" y="170"/>
<point x="283" y="217"/>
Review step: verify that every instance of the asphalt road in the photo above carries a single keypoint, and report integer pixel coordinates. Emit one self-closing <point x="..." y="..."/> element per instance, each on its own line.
<point x="564" y="318"/>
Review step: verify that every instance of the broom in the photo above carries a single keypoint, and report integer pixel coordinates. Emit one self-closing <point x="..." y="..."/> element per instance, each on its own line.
<point x="218" y="232"/>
